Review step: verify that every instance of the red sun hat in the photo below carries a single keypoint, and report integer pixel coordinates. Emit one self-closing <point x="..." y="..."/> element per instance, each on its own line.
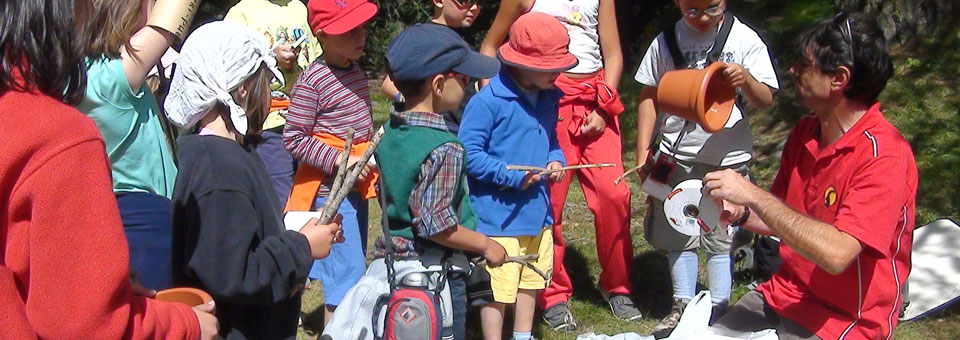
<point x="337" y="17"/>
<point x="538" y="42"/>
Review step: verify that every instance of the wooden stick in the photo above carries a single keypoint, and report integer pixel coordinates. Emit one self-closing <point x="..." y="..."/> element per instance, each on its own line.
<point x="548" y="171"/>
<point x="628" y="172"/>
<point x="331" y="206"/>
<point x="524" y="261"/>
<point x="342" y="168"/>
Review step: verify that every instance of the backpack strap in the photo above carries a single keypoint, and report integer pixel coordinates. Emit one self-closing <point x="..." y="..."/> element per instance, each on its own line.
<point x="387" y="239"/>
<point x="717" y="49"/>
<point x="670" y="37"/>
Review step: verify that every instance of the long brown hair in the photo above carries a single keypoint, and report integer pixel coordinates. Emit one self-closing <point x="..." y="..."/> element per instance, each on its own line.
<point x="255" y="105"/>
<point x="115" y="22"/>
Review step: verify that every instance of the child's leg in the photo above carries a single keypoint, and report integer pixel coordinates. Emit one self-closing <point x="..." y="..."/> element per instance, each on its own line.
<point x="719" y="277"/>
<point x="346" y="263"/>
<point x="683" y="270"/>
<point x="491" y="319"/>
<point x="523" y="313"/>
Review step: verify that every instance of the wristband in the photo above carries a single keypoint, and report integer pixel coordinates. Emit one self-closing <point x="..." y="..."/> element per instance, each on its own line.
<point x="399" y="98"/>
<point x="743" y="218"/>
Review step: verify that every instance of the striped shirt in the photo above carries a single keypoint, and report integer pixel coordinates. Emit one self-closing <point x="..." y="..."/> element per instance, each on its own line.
<point x="327" y="99"/>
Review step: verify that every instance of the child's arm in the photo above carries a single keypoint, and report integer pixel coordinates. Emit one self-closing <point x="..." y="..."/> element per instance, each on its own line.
<point x="757" y="93"/>
<point x="646" y="121"/>
<point x="298" y="130"/>
<point x="475" y="130"/>
<point x="610" y="43"/>
<point x="389" y="89"/>
<point x="432" y="205"/>
<point x="232" y="262"/>
<point x="507" y="13"/>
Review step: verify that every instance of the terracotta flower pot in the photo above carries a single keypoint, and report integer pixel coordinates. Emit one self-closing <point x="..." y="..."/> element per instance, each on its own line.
<point x="189" y="296"/>
<point x="701" y="96"/>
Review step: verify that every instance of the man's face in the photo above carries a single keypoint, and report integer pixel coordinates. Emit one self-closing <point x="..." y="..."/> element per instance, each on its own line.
<point x="813" y="86"/>
<point x="702" y="15"/>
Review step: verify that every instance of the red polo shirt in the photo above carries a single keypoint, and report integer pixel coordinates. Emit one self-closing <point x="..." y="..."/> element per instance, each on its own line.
<point x="865" y="185"/>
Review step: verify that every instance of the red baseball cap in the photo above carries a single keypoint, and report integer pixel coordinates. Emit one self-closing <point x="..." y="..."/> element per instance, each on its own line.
<point x="538" y="42"/>
<point x="338" y="16"/>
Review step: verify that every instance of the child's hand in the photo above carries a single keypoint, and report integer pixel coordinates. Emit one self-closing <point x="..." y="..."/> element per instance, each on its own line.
<point x="556" y="176"/>
<point x="209" y="327"/>
<point x="530" y="178"/>
<point x="286" y="56"/>
<point x="367" y="168"/>
<point x="321" y="237"/>
<point x="735" y="74"/>
<point x="593" y="125"/>
<point x="494" y="254"/>
<point x="730" y="212"/>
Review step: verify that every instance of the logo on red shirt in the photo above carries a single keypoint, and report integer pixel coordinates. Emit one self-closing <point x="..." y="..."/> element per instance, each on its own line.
<point x="829" y="197"/>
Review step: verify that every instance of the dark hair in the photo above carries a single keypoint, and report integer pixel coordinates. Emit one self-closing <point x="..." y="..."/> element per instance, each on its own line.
<point x="42" y="43"/>
<point x="853" y="40"/>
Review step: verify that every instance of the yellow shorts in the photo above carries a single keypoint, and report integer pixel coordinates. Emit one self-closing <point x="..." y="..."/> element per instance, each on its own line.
<point x="507" y="279"/>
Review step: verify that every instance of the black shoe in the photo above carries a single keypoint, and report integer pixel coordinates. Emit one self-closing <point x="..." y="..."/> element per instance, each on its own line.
<point x="559" y="317"/>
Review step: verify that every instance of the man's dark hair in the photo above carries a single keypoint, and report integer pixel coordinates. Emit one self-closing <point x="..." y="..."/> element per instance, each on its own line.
<point x="43" y="41"/>
<point x="853" y="40"/>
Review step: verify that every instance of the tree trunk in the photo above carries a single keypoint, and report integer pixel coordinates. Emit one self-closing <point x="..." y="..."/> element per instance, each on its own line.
<point x="903" y="21"/>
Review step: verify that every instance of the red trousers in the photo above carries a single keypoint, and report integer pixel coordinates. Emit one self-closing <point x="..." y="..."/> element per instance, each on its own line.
<point x="609" y="203"/>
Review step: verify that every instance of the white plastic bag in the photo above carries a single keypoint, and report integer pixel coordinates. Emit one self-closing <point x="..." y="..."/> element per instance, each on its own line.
<point x="694" y="324"/>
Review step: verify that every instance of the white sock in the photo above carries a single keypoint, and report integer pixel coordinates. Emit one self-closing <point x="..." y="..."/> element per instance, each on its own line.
<point x="522" y="335"/>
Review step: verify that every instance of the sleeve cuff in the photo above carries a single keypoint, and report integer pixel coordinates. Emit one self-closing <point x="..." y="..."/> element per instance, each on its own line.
<point x="432" y="223"/>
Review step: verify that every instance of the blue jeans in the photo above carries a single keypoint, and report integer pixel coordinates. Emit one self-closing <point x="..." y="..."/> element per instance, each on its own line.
<point x="279" y="163"/>
<point x="684" y="266"/>
<point x="458" y="295"/>
<point x="147" y="225"/>
<point x="347" y="261"/>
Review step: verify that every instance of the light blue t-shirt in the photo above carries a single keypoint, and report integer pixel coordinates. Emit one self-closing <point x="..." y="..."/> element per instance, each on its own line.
<point x="141" y="159"/>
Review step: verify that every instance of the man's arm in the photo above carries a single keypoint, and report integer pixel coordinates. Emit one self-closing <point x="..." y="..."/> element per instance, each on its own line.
<point x="823" y="244"/>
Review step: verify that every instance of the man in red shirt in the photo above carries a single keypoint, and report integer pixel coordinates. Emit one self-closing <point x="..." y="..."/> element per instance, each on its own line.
<point x="842" y="203"/>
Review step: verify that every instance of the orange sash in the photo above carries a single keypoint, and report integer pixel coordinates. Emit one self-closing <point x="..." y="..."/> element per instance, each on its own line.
<point x="308" y="179"/>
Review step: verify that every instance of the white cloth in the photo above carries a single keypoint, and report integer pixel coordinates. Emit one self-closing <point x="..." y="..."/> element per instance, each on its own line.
<point x="580" y="19"/>
<point x="621" y="336"/>
<point x="216" y="58"/>
<point x="733" y="144"/>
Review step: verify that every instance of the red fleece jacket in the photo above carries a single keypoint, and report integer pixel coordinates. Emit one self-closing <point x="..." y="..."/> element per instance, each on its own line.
<point x="63" y="255"/>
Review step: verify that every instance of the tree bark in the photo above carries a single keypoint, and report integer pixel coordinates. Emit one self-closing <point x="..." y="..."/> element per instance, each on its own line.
<point x="904" y="21"/>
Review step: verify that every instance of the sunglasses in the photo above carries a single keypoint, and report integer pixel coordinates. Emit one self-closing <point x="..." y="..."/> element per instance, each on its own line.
<point x="467" y="3"/>
<point x="712" y="11"/>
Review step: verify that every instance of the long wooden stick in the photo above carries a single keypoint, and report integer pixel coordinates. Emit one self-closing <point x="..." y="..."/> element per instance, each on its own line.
<point x="342" y="168"/>
<point x="544" y="171"/>
<point x="332" y="205"/>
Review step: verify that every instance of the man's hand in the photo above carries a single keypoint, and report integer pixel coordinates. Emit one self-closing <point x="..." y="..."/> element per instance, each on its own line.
<point x="530" y="178"/>
<point x="286" y="56"/>
<point x="209" y="327"/>
<point x="734" y="74"/>
<point x="730" y="186"/>
<point x="494" y="253"/>
<point x="556" y="176"/>
<point x="593" y="125"/>
<point x="321" y="237"/>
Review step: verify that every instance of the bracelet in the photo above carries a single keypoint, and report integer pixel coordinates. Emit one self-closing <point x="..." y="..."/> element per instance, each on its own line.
<point x="399" y="98"/>
<point x="743" y="218"/>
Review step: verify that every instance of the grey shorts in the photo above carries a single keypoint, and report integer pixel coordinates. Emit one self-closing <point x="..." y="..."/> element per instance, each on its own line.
<point x="658" y="231"/>
<point x="751" y="314"/>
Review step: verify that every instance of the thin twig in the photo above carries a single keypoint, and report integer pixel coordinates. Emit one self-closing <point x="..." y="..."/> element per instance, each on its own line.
<point x="525" y="261"/>
<point x="641" y="168"/>
<point x="544" y="171"/>
<point x="331" y="207"/>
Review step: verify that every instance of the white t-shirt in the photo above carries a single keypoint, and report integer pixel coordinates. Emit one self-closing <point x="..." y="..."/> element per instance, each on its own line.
<point x="580" y="19"/>
<point x="733" y="144"/>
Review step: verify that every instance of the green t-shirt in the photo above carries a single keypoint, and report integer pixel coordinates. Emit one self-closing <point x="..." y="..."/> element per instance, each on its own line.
<point x="141" y="158"/>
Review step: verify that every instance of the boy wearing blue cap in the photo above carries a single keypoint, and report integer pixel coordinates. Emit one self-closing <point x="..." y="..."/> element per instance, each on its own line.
<point x="422" y="163"/>
<point x="518" y="109"/>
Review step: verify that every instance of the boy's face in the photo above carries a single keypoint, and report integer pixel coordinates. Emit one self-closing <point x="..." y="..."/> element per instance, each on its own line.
<point x="702" y="15"/>
<point x="348" y="45"/>
<point x="452" y="89"/>
<point x="535" y="80"/>
<point x="459" y="13"/>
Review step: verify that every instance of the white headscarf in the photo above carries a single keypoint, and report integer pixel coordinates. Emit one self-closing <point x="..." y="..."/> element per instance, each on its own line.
<point x="215" y="59"/>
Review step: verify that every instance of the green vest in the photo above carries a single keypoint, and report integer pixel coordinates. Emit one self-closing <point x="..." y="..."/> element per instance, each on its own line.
<point x="400" y="154"/>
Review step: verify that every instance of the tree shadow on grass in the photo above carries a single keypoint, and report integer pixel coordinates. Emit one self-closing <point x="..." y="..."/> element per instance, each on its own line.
<point x="652" y="288"/>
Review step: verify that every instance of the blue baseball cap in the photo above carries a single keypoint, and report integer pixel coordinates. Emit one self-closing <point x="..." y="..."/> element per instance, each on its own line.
<point x="424" y="50"/>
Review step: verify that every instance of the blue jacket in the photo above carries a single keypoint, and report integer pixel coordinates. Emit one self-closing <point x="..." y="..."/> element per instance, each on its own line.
<point x="501" y="127"/>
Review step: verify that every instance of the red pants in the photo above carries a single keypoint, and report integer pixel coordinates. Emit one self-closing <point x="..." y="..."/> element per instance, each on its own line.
<point x="609" y="203"/>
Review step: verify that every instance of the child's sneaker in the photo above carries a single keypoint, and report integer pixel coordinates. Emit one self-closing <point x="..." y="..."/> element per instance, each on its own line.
<point x="669" y="322"/>
<point x="559" y="317"/>
<point x="623" y="307"/>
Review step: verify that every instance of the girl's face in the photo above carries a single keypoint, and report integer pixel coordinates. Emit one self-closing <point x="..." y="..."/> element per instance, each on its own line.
<point x="348" y="45"/>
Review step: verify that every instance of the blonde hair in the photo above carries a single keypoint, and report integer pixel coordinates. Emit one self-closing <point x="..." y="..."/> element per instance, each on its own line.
<point x="112" y="26"/>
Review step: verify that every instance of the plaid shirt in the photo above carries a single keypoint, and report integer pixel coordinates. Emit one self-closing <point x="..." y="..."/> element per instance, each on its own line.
<point x="432" y="199"/>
